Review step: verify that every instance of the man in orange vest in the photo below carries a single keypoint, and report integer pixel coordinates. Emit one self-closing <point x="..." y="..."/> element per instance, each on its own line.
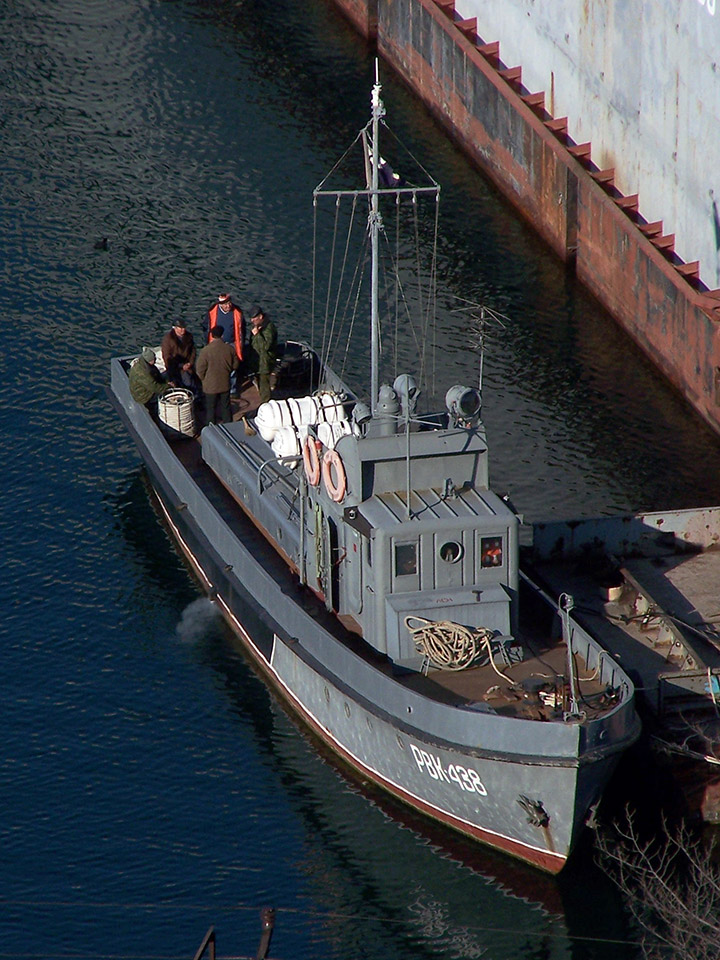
<point x="225" y="314"/>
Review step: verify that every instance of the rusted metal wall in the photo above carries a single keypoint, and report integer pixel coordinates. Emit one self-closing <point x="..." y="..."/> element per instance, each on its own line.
<point x="627" y="263"/>
<point x="650" y="298"/>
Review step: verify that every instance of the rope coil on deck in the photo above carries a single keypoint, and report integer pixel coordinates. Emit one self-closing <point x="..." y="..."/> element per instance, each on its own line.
<point x="447" y="645"/>
<point x="175" y="410"/>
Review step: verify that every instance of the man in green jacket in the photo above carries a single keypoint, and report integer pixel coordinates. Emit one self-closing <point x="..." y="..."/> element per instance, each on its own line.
<point x="263" y="351"/>
<point x="146" y="382"/>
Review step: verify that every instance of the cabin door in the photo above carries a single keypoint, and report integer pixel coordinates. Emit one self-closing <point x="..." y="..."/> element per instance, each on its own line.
<point x="331" y="567"/>
<point x="352" y="574"/>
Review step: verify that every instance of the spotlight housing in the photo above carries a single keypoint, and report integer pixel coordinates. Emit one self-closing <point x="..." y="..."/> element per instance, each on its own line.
<point x="463" y="404"/>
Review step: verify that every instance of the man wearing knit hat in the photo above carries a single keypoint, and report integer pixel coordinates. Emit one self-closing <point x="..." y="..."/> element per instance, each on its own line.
<point x="146" y="382"/>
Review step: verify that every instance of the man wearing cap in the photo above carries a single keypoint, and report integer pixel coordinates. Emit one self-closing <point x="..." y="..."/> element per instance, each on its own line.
<point x="262" y="352"/>
<point x="178" y="351"/>
<point x="225" y="314"/>
<point x="145" y="380"/>
<point x="215" y="363"/>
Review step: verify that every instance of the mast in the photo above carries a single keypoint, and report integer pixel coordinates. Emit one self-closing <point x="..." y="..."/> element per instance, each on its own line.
<point x="374" y="226"/>
<point x="374" y="186"/>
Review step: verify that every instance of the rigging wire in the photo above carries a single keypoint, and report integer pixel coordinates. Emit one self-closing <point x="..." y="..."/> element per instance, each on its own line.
<point x="412" y="156"/>
<point x="348" y="236"/>
<point x="416" y="234"/>
<point x="395" y="273"/>
<point x="426" y="290"/>
<point x="331" y="271"/>
<point x="341" y="160"/>
<point x="397" y="302"/>
<point x="334" y="329"/>
<point x="432" y="300"/>
<point x="314" y="271"/>
<point x="332" y="325"/>
<point x="360" y="268"/>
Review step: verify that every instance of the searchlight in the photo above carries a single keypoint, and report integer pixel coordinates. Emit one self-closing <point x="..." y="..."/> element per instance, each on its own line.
<point x="463" y="404"/>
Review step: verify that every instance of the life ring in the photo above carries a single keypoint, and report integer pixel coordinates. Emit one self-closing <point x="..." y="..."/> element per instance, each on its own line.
<point x="335" y="488"/>
<point x="311" y="461"/>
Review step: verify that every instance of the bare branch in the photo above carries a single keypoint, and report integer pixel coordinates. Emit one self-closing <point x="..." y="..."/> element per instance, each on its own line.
<point x="671" y="885"/>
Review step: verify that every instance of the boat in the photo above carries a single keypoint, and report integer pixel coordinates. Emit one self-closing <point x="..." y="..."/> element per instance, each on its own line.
<point x="649" y="584"/>
<point x="356" y="549"/>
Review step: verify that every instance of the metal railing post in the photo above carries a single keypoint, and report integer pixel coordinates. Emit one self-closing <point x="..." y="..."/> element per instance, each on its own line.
<point x="208" y="941"/>
<point x="267" y="920"/>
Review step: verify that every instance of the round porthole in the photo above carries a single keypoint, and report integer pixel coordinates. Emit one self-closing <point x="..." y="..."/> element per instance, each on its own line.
<point x="451" y="551"/>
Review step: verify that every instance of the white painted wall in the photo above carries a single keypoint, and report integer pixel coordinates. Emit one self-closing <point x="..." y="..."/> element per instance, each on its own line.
<point x="640" y="79"/>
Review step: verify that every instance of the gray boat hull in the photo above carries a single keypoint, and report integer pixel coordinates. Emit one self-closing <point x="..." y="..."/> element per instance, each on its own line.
<point x="518" y="785"/>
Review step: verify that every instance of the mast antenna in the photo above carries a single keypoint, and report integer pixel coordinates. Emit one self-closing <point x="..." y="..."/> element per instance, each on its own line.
<point x="479" y="324"/>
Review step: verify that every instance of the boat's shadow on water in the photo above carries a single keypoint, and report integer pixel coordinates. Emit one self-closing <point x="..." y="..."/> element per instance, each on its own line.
<point x="159" y="567"/>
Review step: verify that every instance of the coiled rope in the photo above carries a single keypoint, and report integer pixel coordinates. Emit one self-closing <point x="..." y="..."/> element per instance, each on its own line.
<point x="448" y="645"/>
<point x="175" y="410"/>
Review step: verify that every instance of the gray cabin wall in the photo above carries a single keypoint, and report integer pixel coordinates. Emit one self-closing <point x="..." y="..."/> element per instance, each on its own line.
<point x="375" y="465"/>
<point x="465" y="591"/>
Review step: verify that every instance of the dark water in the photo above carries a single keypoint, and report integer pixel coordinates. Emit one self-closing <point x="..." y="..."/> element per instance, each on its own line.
<point x="150" y="785"/>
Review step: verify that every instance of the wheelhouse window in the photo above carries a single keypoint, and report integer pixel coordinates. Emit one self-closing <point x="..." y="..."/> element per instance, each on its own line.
<point x="491" y="552"/>
<point x="451" y="551"/>
<point x="405" y="559"/>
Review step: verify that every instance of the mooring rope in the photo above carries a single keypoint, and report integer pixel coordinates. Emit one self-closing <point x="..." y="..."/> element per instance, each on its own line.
<point x="447" y="645"/>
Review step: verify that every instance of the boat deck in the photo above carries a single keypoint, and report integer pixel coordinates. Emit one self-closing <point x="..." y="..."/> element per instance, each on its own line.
<point x="661" y="626"/>
<point x="534" y="688"/>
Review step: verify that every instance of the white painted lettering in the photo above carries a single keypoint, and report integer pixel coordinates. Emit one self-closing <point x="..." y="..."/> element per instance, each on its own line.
<point x="418" y="756"/>
<point x="477" y="782"/>
<point x="465" y="778"/>
<point x="440" y="770"/>
<point x="429" y="766"/>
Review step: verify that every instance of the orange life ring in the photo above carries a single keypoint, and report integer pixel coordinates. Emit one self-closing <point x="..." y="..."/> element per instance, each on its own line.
<point x="311" y="461"/>
<point x="335" y="488"/>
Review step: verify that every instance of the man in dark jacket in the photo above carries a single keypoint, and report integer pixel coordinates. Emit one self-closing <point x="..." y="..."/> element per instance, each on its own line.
<point x="215" y="363"/>
<point x="178" y="350"/>
<point x="263" y="351"/>
<point x="145" y="380"/>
